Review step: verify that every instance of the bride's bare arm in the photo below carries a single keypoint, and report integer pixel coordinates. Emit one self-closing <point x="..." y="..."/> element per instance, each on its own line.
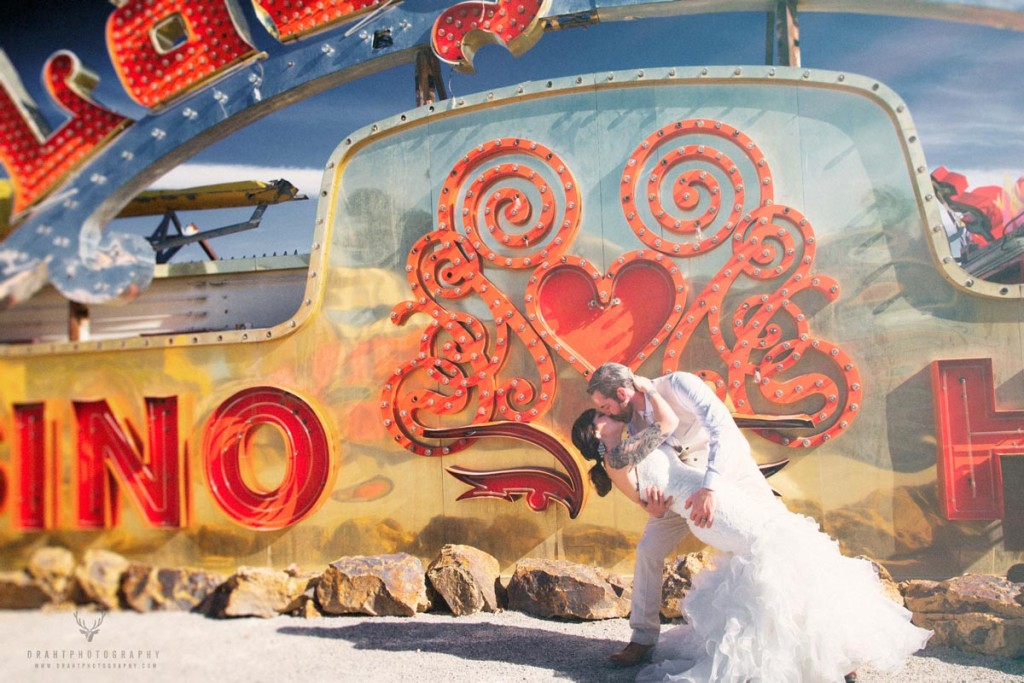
<point x="635" y="448"/>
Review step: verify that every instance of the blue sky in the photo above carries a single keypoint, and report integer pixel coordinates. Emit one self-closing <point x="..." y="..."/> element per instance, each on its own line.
<point x="962" y="83"/>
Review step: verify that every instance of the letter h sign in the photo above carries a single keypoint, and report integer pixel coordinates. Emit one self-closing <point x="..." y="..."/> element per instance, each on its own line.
<point x="980" y="448"/>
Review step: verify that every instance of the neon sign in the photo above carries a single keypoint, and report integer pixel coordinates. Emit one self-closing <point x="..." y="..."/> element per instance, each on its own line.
<point x="167" y="49"/>
<point x="38" y="162"/>
<point x="973" y="435"/>
<point x="682" y="201"/>
<point x="166" y="53"/>
<point x="163" y="49"/>
<point x="154" y="475"/>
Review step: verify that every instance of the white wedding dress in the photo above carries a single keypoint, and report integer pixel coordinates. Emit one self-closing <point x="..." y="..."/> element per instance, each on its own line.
<point x="780" y="604"/>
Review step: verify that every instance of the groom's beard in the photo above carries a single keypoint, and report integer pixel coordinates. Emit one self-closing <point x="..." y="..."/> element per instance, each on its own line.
<point x="625" y="413"/>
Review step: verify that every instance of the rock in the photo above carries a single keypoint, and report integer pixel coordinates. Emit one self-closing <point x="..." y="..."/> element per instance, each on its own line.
<point x="18" y="590"/>
<point x="149" y="589"/>
<point x="1015" y="574"/>
<point x="383" y="585"/>
<point x="677" y="578"/>
<point x="965" y="594"/>
<point x="985" y="634"/>
<point x="305" y="605"/>
<point x="306" y="608"/>
<point x="258" y="592"/>
<point x="466" y="579"/>
<point x="54" y="569"/>
<point x="974" y="613"/>
<point x="565" y="590"/>
<point x="99" y="576"/>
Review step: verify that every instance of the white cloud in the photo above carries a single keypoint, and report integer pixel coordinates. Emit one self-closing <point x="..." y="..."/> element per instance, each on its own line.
<point x="196" y="174"/>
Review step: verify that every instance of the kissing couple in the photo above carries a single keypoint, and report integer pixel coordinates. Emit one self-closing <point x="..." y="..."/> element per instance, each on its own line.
<point x="780" y="603"/>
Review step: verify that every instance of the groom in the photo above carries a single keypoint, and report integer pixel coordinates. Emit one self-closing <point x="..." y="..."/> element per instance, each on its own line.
<point x="708" y="439"/>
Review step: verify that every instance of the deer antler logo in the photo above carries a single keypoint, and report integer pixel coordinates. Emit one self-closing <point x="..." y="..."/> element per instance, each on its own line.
<point x="90" y="631"/>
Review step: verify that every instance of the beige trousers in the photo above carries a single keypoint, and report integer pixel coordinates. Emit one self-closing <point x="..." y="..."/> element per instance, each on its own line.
<point x="662" y="535"/>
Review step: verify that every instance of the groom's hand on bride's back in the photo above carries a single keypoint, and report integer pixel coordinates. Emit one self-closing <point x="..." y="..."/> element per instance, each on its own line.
<point x="702" y="507"/>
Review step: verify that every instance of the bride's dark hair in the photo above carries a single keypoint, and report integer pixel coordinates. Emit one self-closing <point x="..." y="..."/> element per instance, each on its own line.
<point x="584" y="437"/>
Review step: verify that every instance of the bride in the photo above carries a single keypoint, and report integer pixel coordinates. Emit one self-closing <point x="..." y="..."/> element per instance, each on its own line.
<point x="780" y="603"/>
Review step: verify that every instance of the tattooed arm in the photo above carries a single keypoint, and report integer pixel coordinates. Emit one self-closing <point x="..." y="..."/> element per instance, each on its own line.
<point x="635" y="448"/>
<point x="629" y="452"/>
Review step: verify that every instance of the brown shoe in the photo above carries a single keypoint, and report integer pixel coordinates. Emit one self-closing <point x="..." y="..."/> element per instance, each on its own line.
<point x="631" y="655"/>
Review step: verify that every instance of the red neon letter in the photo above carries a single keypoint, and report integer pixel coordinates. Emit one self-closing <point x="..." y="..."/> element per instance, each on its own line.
<point x="3" y="481"/>
<point x="464" y="28"/>
<point x="37" y="479"/>
<point x="154" y="486"/>
<point x="35" y="162"/>
<point x="310" y="471"/>
<point x="162" y="48"/>
<point x="972" y="437"/>
<point x="290" y="19"/>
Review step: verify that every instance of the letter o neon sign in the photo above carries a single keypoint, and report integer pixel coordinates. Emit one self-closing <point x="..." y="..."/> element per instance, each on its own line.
<point x="226" y="441"/>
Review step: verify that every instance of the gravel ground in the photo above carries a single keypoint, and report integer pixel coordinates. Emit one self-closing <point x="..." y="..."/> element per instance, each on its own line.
<point x="509" y="646"/>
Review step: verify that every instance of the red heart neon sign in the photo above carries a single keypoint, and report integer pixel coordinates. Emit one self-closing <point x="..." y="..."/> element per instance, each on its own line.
<point x="623" y="316"/>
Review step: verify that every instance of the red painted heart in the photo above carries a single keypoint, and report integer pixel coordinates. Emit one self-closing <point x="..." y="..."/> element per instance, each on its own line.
<point x="623" y="316"/>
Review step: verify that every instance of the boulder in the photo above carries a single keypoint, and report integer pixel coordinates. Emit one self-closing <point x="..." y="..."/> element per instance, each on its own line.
<point x="18" y="590"/>
<point x="382" y="585"/>
<point x="54" y="570"/>
<point x="565" y="590"/>
<point x="99" y="575"/>
<point x="258" y="592"/>
<point x="151" y="589"/>
<point x="466" y="579"/>
<point x="973" y="613"/>
<point x="976" y="632"/>
<point x="970" y="593"/>
<point x="677" y="578"/>
<point x="305" y="605"/>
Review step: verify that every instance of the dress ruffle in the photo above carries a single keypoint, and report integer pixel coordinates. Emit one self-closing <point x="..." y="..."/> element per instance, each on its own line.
<point x="788" y="609"/>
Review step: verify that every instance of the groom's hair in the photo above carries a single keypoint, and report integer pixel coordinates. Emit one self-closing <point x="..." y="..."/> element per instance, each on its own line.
<point x="610" y="377"/>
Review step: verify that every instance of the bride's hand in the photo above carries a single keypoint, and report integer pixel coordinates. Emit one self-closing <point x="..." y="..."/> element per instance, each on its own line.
<point x="702" y="507"/>
<point x="643" y="384"/>
<point x="657" y="503"/>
